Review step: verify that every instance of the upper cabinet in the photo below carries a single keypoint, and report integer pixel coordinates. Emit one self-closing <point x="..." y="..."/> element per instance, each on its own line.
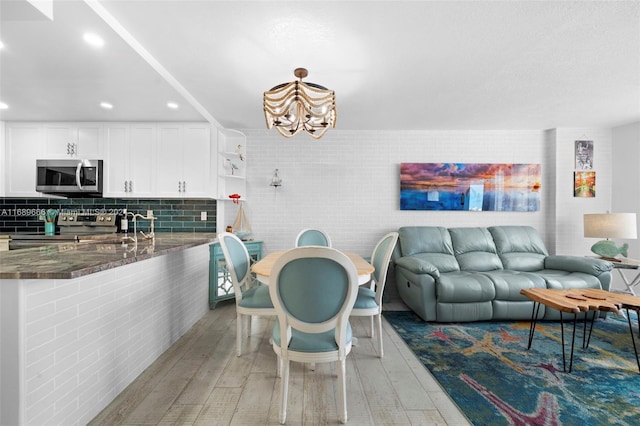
<point x="141" y="160"/>
<point x="184" y="160"/>
<point x="24" y="145"/>
<point x="129" y="156"/>
<point x="232" y="164"/>
<point x="71" y="140"/>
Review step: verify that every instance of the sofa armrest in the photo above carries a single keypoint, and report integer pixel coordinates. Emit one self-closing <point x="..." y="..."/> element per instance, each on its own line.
<point x="418" y="266"/>
<point x="586" y="265"/>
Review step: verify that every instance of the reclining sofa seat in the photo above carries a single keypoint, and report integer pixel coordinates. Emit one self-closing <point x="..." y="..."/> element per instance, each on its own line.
<point x="476" y="274"/>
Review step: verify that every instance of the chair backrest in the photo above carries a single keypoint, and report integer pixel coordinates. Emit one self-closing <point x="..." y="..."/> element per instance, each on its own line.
<point x="313" y="237"/>
<point x="313" y="290"/>
<point x="237" y="260"/>
<point x="380" y="259"/>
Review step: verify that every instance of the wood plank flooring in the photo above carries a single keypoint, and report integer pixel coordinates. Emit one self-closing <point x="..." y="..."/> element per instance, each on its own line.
<point x="200" y="381"/>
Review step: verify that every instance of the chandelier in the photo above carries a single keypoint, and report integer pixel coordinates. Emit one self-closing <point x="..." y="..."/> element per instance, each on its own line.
<point x="297" y="106"/>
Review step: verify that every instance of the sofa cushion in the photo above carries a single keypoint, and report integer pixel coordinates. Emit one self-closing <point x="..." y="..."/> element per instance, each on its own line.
<point x="424" y="239"/>
<point x="474" y="249"/>
<point x="509" y="283"/>
<point x="520" y="247"/>
<point x="563" y="279"/>
<point x="464" y="287"/>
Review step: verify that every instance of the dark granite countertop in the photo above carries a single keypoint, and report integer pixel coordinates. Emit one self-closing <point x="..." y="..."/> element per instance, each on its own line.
<point x="63" y="261"/>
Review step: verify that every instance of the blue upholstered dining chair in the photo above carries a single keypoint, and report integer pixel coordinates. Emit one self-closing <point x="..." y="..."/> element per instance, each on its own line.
<point x="312" y="237"/>
<point x="313" y="290"/>
<point x="250" y="299"/>
<point x="369" y="300"/>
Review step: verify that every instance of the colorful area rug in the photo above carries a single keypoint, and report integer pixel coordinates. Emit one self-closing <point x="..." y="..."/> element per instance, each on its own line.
<point x="487" y="370"/>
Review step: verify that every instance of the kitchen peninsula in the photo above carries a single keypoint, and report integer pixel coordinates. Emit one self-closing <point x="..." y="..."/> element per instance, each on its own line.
<point x="80" y="321"/>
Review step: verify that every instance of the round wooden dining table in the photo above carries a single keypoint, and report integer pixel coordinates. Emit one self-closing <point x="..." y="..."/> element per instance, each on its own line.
<point x="262" y="268"/>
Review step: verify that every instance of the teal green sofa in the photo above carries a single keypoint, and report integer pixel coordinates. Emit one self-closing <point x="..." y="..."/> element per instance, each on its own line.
<point x="476" y="273"/>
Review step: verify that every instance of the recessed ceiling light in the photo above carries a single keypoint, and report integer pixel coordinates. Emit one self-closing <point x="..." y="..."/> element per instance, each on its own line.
<point x="106" y="105"/>
<point x="172" y="105"/>
<point x="93" y="39"/>
<point x="3" y="105"/>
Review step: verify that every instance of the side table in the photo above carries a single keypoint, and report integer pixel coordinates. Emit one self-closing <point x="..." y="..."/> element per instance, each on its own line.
<point x="220" y="285"/>
<point x="627" y="264"/>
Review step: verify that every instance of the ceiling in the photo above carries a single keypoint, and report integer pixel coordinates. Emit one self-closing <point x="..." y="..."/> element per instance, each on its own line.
<point x="395" y="65"/>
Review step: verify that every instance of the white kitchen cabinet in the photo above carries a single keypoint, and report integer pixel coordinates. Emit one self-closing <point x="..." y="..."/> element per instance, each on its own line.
<point x="232" y="160"/>
<point x="3" y="150"/>
<point x="70" y="140"/>
<point x="129" y="161"/>
<point x="24" y="145"/>
<point x="184" y="161"/>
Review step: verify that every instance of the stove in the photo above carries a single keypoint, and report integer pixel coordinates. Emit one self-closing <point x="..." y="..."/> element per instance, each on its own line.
<point x="77" y="223"/>
<point x="74" y="227"/>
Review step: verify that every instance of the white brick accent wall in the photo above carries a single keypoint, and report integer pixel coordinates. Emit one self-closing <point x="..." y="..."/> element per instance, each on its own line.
<point x="347" y="183"/>
<point x="80" y="342"/>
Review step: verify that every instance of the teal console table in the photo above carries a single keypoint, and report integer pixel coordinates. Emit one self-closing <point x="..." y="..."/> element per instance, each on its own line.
<point x="220" y="285"/>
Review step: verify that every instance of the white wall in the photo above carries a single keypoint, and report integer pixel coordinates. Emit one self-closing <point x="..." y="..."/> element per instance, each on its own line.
<point x="347" y="183"/>
<point x="569" y="210"/>
<point x="626" y="176"/>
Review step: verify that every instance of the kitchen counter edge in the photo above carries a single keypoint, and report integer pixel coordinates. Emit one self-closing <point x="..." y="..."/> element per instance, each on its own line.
<point x="66" y="261"/>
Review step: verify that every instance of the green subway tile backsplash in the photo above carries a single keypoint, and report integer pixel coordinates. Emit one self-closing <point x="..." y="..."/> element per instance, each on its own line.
<point x="173" y="215"/>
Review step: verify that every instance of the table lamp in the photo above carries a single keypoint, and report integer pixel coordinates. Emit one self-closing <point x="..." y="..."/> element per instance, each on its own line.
<point x="610" y="225"/>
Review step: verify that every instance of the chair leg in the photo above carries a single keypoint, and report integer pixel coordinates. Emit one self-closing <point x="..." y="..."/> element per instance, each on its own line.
<point x="379" y="324"/>
<point x="279" y="366"/>
<point x="342" y="391"/>
<point x="284" y="390"/>
<point x="238" y="334"/>
<point x="371" y="328"/>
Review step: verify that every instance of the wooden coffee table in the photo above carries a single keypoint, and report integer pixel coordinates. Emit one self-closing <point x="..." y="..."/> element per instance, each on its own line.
<point x="575" y="301"/>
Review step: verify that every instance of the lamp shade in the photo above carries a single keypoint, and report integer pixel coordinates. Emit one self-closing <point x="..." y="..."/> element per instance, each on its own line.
<point x="610" y="225"/>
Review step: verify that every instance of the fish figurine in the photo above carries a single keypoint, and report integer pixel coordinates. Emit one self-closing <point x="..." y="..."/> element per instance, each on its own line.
<point x="607" y="248"/>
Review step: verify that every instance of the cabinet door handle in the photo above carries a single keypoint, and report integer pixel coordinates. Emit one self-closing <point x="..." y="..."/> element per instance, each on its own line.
<point x="126" y="188"/>
<point x="130" y="186"/>
<point x="179" y="186"/>
<point x="184" y="186"/>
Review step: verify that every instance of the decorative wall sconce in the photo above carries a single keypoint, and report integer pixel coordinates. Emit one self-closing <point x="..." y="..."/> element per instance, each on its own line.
<point x="297" y="106"/>
<point x="276" y="180"/>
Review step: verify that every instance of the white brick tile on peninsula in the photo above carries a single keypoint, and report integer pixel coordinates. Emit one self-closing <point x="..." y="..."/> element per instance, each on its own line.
<point x="85" y="339"/>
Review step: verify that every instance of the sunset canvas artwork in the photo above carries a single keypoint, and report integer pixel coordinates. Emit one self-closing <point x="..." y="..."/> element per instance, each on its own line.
<point x="470" y="187"/>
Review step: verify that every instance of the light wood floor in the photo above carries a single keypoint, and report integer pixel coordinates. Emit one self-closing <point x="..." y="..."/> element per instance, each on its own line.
<point x="200" y="381"/>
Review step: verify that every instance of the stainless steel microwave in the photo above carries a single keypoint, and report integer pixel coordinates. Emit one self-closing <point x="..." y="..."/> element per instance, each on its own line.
<point x="70" y="178"/>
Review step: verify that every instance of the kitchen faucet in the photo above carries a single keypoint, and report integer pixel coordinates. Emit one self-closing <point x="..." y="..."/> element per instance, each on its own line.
<point x="134" y="217"/>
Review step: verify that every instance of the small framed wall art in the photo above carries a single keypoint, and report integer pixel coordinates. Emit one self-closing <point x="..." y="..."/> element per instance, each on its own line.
<point x="584" y="155"/>
<point x="584" y="184"/>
